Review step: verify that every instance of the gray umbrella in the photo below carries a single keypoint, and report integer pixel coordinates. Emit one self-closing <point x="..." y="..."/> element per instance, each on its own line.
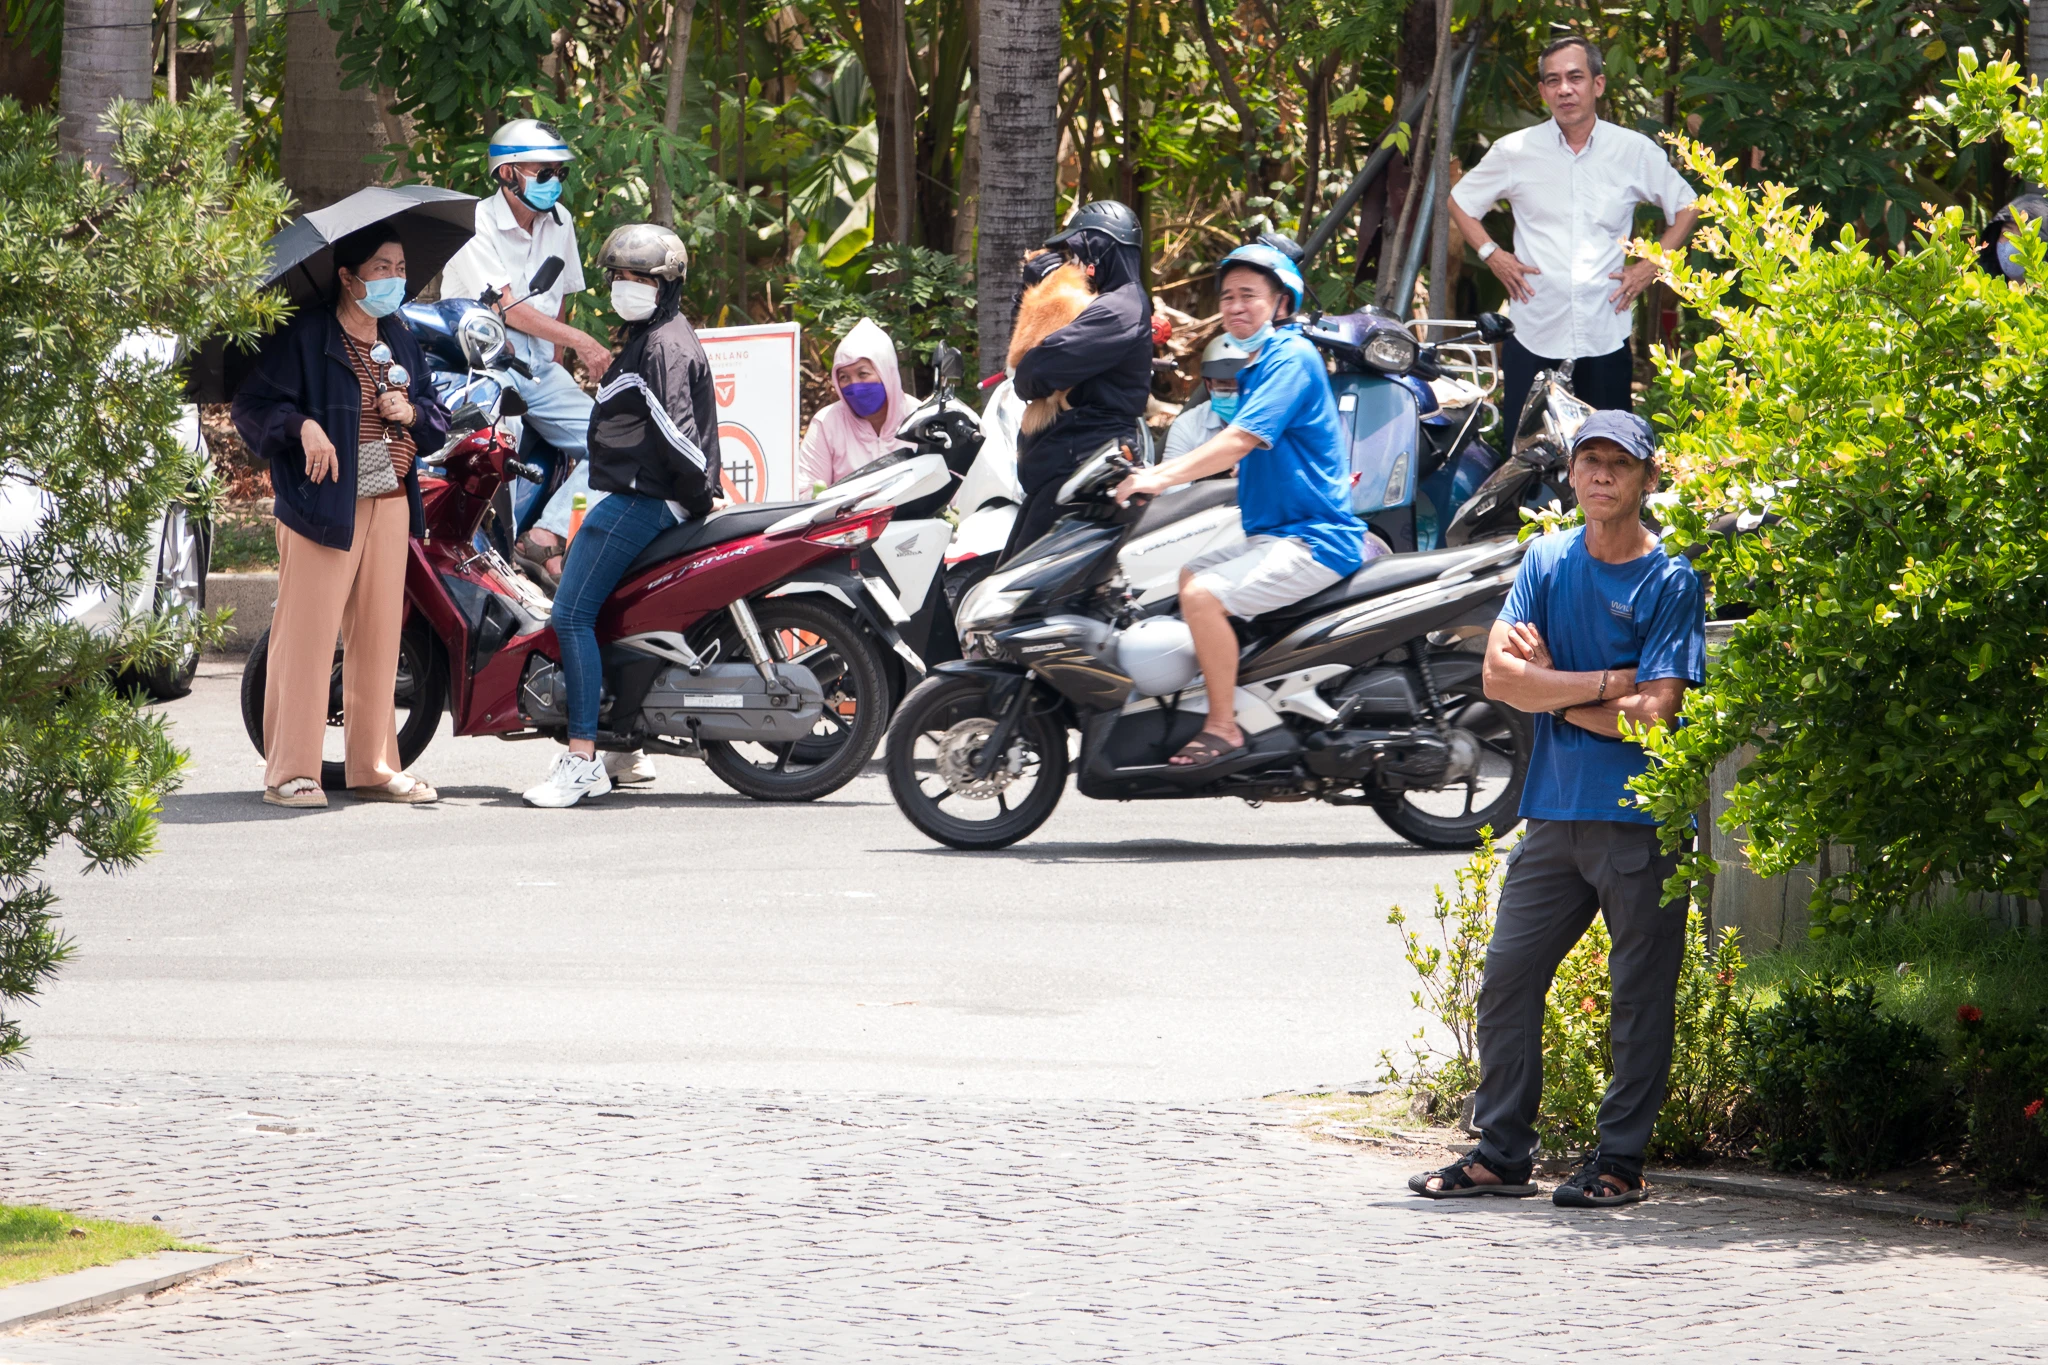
<point x="432" y="224"/>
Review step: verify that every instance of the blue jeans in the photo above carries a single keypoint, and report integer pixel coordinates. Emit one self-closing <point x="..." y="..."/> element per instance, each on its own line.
<point x="613" y="535"/>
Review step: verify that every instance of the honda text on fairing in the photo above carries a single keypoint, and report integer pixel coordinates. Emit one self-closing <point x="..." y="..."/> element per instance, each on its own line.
<point x="749" y="637"/>
<point x="1367" y="693"/>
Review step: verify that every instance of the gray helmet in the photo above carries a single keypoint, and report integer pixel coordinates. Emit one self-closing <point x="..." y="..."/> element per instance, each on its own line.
<point x="1224" y="357"/>
<point x="1112" y="219"/>
<point x="645" y="249"/>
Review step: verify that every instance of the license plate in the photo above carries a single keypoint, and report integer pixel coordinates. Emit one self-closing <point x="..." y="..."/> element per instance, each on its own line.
<point x="713" y="701"/>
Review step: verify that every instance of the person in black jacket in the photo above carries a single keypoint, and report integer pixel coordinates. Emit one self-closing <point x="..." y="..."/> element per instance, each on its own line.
<point x="653" y="444"/>
<point x="1102" y="359"/>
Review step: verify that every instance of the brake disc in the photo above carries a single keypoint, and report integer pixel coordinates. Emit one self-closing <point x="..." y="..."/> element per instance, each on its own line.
<point x="961" y="746"/>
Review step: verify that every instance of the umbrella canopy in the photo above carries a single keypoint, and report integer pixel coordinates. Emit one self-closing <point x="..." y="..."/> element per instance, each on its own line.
<point x="432" y="225"/>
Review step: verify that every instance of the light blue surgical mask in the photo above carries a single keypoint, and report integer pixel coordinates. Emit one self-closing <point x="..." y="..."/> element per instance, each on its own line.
<point x="540" y="195"/>
<point x="382" y="297"/>
<point x="1256" y="339"/>
<point x="1224" y="405"/>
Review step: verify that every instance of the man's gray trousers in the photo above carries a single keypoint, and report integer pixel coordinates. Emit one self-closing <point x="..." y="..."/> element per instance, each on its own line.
<point x="1558" y="876"/>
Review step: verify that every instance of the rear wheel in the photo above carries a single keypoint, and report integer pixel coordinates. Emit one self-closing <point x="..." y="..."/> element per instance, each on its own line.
<point x="418" y="694"/>
<point x="847" y="662"/>
<point x="935" y="743"/>
<point x="1489" y="797"/>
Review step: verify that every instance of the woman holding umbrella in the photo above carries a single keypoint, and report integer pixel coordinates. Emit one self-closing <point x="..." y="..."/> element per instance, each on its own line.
<point x="340" y="406"/>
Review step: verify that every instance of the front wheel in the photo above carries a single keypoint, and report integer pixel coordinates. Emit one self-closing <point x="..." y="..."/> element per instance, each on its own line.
<point x="848" y="664"/>
<point x="1489" y="796"/>
<point x="184" y="554"/>
<point x="417" y="696"/>
<point x="932" y="756"/>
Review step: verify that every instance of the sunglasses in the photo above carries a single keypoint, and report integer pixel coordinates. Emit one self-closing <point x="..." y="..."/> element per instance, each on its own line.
<point x="395" y="376"/>
<point x="546" y="173"/>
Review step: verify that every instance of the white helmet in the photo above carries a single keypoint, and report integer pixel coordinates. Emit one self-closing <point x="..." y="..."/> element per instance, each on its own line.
<point x="528" y="139"/>
<point x="1224" y="357"/>
<point x="1158" y="654"/>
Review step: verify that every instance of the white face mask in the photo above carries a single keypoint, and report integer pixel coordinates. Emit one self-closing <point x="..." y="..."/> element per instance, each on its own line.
<point x="633" y="300"/>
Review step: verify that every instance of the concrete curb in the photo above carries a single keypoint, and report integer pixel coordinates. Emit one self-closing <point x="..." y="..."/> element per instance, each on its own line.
<point x="254" y="598"/>
<point x="1883" y="1205"/>
<point x="101" y="1285"/>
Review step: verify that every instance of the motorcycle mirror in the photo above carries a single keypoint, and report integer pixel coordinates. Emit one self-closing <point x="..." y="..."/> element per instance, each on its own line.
<point x="1494" y="328"/>
<point x="545" y="277"/>
<point x="948" y="363"/>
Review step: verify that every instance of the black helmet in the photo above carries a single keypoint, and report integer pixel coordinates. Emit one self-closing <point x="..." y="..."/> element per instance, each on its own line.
<point x="1107" y="216"/>
<point x="2027" y="208"/>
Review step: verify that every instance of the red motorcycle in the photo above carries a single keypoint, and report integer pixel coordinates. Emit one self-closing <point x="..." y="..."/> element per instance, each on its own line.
<point x="748" y="637"/>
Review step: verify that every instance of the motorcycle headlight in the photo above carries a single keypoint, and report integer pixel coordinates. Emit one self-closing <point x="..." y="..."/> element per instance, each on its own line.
<point x="988" y="603"/>
<point x="483" y="338"/>
<point x="1391" y="349"/>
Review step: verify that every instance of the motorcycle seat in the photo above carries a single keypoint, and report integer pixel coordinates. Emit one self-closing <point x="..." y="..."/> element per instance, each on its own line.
<point x="1388" y="573"/>
<point x="729" y="523"/>
<point x="1182" y="503"/>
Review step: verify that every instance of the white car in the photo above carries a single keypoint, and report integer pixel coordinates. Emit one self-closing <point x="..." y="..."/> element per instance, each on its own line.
<point x="184" y="546"/>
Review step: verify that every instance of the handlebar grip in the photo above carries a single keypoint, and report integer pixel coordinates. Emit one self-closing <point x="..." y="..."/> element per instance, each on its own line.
<point x="518" y="367"/>
<point x="532" y="473"/>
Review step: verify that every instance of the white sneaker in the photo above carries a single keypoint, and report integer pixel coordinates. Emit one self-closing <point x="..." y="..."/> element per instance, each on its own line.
<point x="573" y="778"/>
<point x="629" y="770"/>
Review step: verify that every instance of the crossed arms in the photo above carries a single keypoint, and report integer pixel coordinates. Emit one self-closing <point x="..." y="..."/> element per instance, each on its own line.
<point x="1518" y="671"/>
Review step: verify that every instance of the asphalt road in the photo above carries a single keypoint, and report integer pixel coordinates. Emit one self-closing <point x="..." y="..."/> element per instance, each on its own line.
<point x="686" y="935"/>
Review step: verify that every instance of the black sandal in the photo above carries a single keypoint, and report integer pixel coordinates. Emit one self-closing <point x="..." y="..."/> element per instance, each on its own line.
<point x="1457" y="1181"/>
<point x="1589" y="1188"/>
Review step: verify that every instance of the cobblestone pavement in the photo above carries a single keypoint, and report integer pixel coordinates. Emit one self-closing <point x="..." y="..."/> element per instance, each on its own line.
<point x="413" y="1220"/>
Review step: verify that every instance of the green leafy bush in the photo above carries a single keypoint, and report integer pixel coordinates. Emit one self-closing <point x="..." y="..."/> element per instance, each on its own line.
<point x="918" y="296"/>
<point x="1886" y="411"/>
<point x="173" y="244"/>
<point x="1450" y="971"/>
<point x="1705" y="1104"/>
<point x="2002" y="1062"/>
<point x="1578" y="1059"/>
<point x="1838" y="1084"/>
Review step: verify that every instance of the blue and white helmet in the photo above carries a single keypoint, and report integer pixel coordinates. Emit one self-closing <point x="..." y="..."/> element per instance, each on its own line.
<point x="1273" y="262"/>
<point x="528" y="139"/>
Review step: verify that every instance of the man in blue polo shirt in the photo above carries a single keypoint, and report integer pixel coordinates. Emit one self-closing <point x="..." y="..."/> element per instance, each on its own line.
<point x="1292" y="486"/>
<point x="1601" y="626"/>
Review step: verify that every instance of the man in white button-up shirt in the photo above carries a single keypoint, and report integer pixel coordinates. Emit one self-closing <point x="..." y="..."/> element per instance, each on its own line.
<point x="1574" y="183"/>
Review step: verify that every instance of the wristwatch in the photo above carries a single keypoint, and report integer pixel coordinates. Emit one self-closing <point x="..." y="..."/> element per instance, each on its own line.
<point x="1488" y="250"/>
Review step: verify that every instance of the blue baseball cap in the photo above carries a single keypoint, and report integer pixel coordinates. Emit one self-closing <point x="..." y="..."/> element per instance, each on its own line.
<point x="1625" y="429"/>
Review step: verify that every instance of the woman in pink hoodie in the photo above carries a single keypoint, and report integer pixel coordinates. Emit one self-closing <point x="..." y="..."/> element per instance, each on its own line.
<point x="861" y="427"/>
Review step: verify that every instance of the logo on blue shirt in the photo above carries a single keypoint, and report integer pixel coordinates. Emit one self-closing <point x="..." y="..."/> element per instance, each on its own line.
<point x="1621" y="609"/>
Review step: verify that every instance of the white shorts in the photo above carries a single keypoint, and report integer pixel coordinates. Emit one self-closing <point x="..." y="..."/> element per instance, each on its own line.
<point x="1263" y="574"/>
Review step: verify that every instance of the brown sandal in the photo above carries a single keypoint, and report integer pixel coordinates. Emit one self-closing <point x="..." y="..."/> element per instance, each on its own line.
<point x="291" y="794"/>
<point x="1204" y="749"/>
<point x="419" y="792"/>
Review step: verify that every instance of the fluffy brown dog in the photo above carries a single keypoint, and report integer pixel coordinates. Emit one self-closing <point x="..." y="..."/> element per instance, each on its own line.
<point x="1046" y="307"/>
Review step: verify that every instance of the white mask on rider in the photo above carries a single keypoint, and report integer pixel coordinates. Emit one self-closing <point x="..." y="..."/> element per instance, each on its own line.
<point x="633" y="300"/>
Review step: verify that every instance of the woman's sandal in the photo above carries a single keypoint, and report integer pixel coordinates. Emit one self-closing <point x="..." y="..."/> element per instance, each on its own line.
<point x="298" y="793"/>
<point x="403" y="790"/>
<point x="1455" y="1180"/>
<point x="1600" y="1184"/>
<point x="1205" y="749"/>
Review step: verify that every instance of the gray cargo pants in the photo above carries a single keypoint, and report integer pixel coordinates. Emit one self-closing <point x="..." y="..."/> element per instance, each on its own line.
<point x="1557" y="877"/>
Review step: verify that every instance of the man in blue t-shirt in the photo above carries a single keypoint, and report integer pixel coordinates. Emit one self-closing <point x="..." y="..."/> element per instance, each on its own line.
<point x="1292" y="485"/>
<point x="1601" y="626"/>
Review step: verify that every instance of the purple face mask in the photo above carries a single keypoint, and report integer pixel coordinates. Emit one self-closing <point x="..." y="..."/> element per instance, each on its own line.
<point x="865" y="399"/>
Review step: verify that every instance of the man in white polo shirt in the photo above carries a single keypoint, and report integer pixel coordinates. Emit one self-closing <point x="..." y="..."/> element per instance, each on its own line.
<point x="517" y="229"/>
<point x="1574" y="183"/>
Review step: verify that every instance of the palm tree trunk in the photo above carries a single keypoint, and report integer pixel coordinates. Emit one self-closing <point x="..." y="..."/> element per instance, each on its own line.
<point x="1019" y="77"/>
<point x="106" y="57"/>
<point x="885" y="52"/>
<point x="328" y="134"/>
<point x="2037" y="39"/>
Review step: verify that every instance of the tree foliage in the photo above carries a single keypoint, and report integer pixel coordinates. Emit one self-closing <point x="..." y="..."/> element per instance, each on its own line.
<point x="1878" y="420"/>
<point x="86" y="262"/>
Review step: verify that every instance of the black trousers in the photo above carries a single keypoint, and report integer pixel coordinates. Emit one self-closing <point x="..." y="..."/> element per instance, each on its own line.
<point x="1040" y="510"/>
<point x="1602" y="380"/>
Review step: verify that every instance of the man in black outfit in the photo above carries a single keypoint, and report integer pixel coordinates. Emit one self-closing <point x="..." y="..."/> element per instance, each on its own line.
<point x="1103" y="359"/>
